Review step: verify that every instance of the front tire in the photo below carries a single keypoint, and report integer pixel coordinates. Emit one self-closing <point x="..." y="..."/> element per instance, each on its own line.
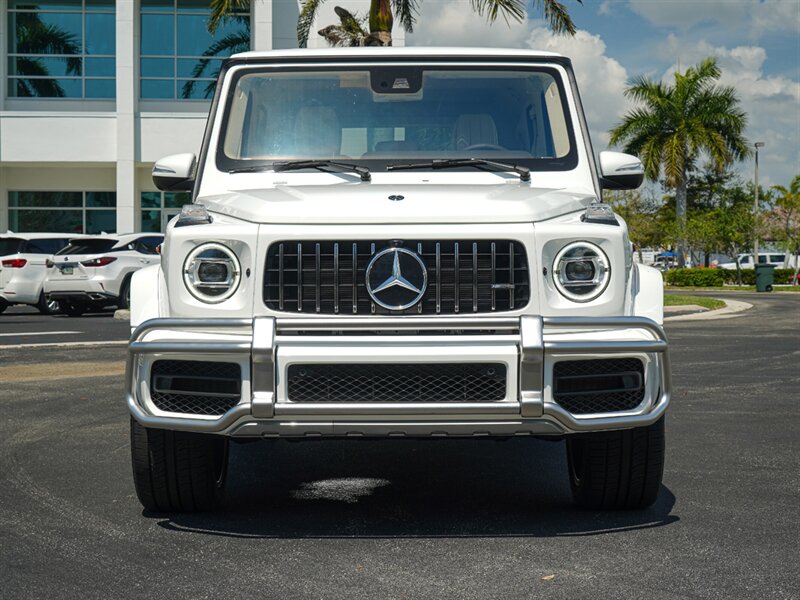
<point x="176" y="471"/>
<point x="124" y="301"/>
<point x="617" y="469"/>
<point x="3" y="304"/>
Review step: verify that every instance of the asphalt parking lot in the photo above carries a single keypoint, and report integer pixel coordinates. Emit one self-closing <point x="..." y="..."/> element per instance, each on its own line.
<point x="404" y="518"/>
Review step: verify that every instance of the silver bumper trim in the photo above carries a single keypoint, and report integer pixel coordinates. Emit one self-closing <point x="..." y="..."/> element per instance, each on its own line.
<point x="531" y="412"/>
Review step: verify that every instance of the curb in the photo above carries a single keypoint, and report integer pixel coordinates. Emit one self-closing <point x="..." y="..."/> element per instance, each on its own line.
<point x="732" y="309"/>
<point x="122" y="315"/>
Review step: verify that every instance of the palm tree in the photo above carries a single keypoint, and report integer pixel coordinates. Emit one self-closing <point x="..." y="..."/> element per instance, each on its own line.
<point x="382" y="14"/>
<point x="350" y="32"/>
<point x="789" y="205"/>
<point x="33" y="36"/>
<point x="675" y="123"/>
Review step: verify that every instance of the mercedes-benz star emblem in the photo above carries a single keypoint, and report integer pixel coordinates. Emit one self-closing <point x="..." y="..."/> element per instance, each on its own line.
<point x="396" y="278"/>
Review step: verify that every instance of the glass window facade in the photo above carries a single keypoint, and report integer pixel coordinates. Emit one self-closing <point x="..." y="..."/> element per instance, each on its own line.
<point x="159" y="207"/>
<point x="61" y="49"/>
<point x="62" y="212"/>
<point x="179" y="58"/>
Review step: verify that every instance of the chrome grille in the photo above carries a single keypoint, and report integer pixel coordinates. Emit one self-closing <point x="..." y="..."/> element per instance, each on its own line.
<point x="464" y="276"/>
<point x="195" y="387"/>
<point x="430" y="382"/>
<point x="598" y="386"/>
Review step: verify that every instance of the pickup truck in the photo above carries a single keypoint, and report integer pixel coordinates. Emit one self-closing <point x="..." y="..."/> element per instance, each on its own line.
<point x="397" y="243"/>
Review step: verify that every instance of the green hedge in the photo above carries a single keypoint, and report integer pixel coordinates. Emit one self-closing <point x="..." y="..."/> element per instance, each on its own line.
<point x="719" y="277"/>
<point x="695" y="277"/>
<point x="749" y="276"/>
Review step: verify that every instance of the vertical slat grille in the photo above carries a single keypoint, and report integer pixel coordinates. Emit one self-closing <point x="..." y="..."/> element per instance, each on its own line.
<point x="464" y="276"/>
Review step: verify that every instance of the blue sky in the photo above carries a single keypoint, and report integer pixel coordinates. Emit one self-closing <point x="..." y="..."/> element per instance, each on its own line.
<point x="756" y="42"/>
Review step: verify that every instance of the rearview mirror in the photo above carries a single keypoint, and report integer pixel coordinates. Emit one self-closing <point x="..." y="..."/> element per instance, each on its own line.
<point x="175" y="173"/>
<point x="620" y="171"/>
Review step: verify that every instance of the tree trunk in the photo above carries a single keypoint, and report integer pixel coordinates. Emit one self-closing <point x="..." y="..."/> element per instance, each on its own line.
<point x="381" y="21"/>
<point x="378" y="38"/>
<point x="680" y="215"/>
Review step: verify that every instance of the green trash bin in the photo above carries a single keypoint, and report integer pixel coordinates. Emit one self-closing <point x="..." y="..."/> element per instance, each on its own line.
<point x="765" y="277"/>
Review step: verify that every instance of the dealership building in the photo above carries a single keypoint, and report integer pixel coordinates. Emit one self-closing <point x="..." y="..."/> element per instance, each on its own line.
<point x="92" y="92"/>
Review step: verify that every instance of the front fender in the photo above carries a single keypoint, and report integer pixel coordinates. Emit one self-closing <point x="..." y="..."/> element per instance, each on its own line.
<point x="148" y="295"/>
<point x="648" y="293"/>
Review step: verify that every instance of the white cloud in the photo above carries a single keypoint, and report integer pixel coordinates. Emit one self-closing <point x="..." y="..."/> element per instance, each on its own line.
<point x="601" y="79"/>
<point x="772" y="102"/>
<point x="757" y="17"/>
<point x="604" y="8"/>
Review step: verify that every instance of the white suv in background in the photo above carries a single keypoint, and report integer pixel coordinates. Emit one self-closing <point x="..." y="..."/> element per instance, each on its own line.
<point x="95" y="272"/>
<point x="22" y="268"/>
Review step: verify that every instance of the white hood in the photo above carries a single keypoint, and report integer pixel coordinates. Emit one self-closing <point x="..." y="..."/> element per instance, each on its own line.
<point x="509" y="201"/>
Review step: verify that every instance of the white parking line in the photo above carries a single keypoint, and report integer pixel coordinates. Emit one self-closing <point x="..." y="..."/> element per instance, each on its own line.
<point x="28" y="333"/>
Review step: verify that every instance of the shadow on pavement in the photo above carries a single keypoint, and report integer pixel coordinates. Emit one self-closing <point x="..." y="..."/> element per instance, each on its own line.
<point x="406" y="488"/>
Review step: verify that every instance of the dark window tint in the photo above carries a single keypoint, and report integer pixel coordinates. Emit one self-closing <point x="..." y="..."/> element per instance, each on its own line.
<point x="179" y="58"/>
<point x="45" y="246"/>
<point x="148" y="245"/>
<point x="9" y="246"/>
<point x="61" y="49"/>
<point x="88" y="246"/>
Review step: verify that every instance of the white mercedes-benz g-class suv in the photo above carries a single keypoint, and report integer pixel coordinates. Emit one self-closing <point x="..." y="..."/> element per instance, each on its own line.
<point x="405" y="242"/>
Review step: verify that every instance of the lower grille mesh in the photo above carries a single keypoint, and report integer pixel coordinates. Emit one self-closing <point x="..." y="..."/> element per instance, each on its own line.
<point x="598" y="386"/>
<point x="195" y="387"/>
<point x="442" y="382"/>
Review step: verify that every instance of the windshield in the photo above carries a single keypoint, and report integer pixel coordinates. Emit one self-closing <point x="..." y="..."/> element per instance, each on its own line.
<point x="87" y="247"/>
<point x="9" y="246"/>
<point x="381" y="115"/>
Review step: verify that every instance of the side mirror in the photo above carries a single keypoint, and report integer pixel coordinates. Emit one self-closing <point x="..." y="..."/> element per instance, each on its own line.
<point x="620" y="171"/>
<point x="175" y="173"/>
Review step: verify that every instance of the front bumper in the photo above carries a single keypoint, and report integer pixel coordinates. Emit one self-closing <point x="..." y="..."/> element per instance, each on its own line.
<point x="265" y="346"/>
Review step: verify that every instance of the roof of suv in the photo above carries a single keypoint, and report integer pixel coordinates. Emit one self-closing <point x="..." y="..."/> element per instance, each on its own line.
<point x="122" y="239"/>
<point x="410" y="52"/>
<point x="40" y="236"/>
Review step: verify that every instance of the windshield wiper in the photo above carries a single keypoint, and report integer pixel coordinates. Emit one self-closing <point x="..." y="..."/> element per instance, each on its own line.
<point x="296" y="165"/>
<point x="453" y="163"/>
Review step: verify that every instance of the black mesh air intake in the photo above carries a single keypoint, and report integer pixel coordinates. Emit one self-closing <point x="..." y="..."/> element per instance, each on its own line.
<point x="195" y="387"/>
<point x="598" y="386"/>
<point x="451" y="382"/>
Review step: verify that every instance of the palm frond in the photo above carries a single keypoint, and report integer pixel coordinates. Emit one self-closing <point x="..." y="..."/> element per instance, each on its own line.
<point x="352" y="24"/>
<point x="230" y="44"/>
<point x="509" y="9"/>
<point x="36" y="88"/>
<point x="306" y="19"/>
<point x="557" y="16"/>
<point x="406" y="12"/>
<point x="36" y="37"/>
<point x="223" y="9"/>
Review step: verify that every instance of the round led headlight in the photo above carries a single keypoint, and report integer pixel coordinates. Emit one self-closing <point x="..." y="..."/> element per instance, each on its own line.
<point x="581" y="271"/>
<point x="212" y="273"/>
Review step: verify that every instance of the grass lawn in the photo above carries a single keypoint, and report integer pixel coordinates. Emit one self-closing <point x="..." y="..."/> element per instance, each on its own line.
<point x="704" y="301"/>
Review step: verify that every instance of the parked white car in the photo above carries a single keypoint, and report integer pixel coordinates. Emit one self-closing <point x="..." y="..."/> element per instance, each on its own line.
<point x="23" y="269"/>
<point x="94" y="272"/>
<point x="776" y="259"/>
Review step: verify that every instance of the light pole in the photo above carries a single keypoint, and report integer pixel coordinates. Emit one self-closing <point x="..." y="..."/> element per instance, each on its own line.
<point x="755" y="209"/>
